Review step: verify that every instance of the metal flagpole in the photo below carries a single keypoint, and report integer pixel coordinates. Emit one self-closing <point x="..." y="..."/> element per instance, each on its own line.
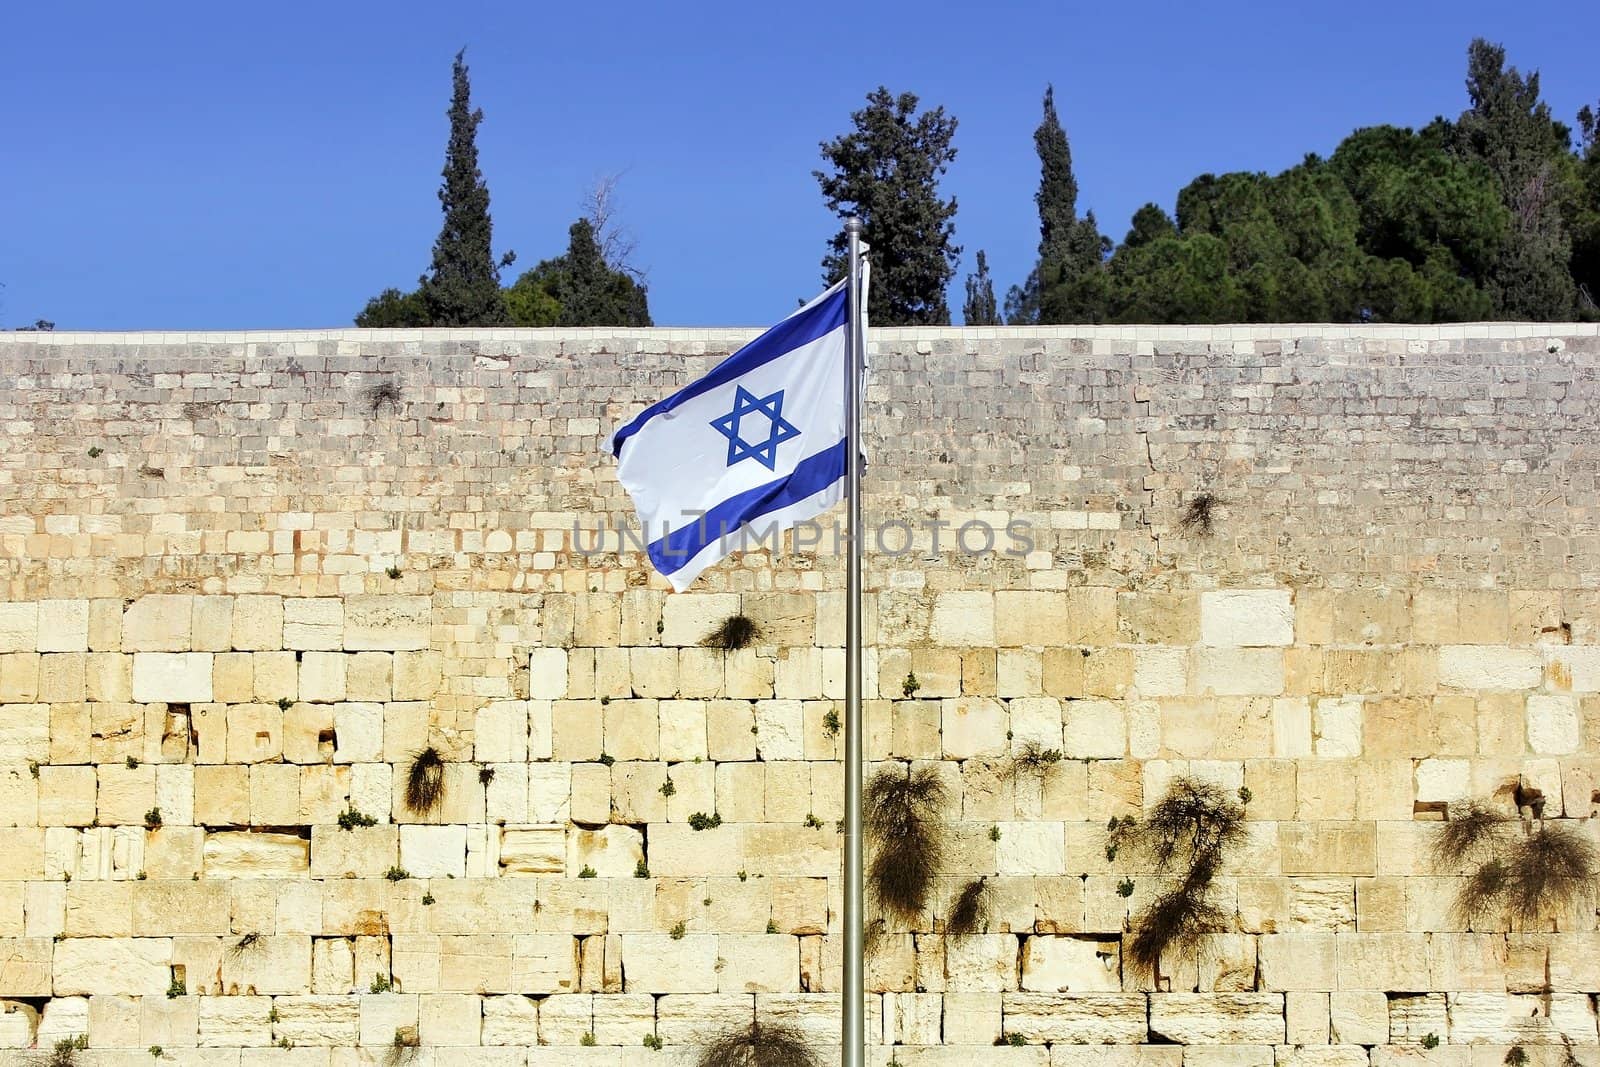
<point x="853" y="1030"/>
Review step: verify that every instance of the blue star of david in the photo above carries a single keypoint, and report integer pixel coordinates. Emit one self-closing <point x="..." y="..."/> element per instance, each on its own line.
<point x="763" y="452"/>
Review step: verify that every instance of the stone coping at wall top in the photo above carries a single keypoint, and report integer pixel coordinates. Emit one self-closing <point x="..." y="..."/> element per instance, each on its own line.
<point x="1240" y="332"/>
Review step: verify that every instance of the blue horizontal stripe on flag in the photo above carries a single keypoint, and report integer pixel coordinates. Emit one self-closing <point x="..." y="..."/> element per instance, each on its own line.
<point x="811" y="476"/>
<point x="785" y="337"/>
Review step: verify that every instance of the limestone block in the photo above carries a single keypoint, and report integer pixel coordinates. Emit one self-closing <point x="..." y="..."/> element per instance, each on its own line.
<point x="360" y="852"/>
<point x="1298" y="961"/>
<point x="677" y="850"/>
<point x="1076" y="1018"/>
<point x="255" y="733"/>
<point x="797" y="673"/>
<point x="370" y="676"/>
<point x="277" y="676"/>
<point x="632" y="730"/>
<point x="780" y="730"/>
<point x="387" y="623"/>
<point x="132" y="965"/>
<point x="434" y="851"/>
<point x="358" y="733"/>
<point x="533" y="850"/>
<point x="758" y="963"/>
<point x="1227" y="671"/>
<point x="591" y="793"/>
<point x="1218" y="1018"/>
<point x="172" y="677"/>
<point x="659" y="963"/>
<point x="965" y="619"/>
<point x="1358" y="1017"/>
<point x="1328" y="848"/>
<point x="63" y="626"/>
<point x="1306" y="1018"/>
<point x="19" y="627"/>
<point x="322" y="676"/>
<point x="67" y="795"/>
<point x="971" y="1018"/>
<point x="1031" y="848"/>
<point x="18" y="1024"/>
<point x="973" y="726"/>
<point x="683" y="730"/>
<point x="212" y="623"/>
<point x="125" y="794"/>
<point x="748" y="675"/>
<point x="653" y="672"/>
<point x="222" y="795"/>
<point x="1161" y="671"/>
<point x="1443" y="780"/>
<point x="1336" y="727"/>
<point x="698" y="1020"/>
<point x="158" y="623"/>
<point x="25" y="966"/>
<point x="514" y="1020"/>
<point x="622" y="1019"/>
<point x="1555" y="724"/>
<point x="1031" y="617"/>
<point x="500" y="734"/>
<point x="981" y="962"/>
<point x="611" y="851"/>
<point x="256" y="855"/>
<point x="688" y="618"/>
<point x="19" y="677"/>
<point x="63" y="1017"/>
<point x="317" y="1021"/>
<point x="547" y="673"/>
<point x="1488" y="667"/>
<point x="1094" y="729"/>
<point x="417" y="675"/>
<point x="269" y="965"/>
<point x="1071" y="965"/>
<point x="1246" y="617"/>
<point x="62" y="677"/>
<point x="232" y="677"/>
<point x="701" y="672"/>
<point x="1383" y="962"/>
<point x="257" y="623"/>
<point x="550" y="788"/>
<point x="1504" y="1019"/>
<point x="913" y="1018"/>
<point x="636" y="795"/>
<point x="313" y="623"/>
<point x="381" y="1014"/>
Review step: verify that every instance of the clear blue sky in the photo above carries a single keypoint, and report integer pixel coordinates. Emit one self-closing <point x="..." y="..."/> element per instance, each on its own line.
<point x="188" y="166"/>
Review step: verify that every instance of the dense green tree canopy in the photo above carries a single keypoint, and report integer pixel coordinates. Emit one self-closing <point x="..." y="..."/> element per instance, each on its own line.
<point x="1490" y="216"/>
<point x="578" y="289"/>
<point x="886" y="171"/>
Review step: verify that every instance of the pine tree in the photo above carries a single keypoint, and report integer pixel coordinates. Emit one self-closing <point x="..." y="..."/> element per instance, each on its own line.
<point x="979" y="309"/>
<point x="579" y="288"/>
<point x="1510" y="129"/>
<point x="462" y="288"/>
<point x="886" y="171"/>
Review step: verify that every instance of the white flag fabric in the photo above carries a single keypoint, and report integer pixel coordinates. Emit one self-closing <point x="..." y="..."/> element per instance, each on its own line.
<point x="758" y="443"/>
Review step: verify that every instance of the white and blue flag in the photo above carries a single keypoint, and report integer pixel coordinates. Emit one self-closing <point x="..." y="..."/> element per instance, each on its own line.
<point x="758" y="443"/>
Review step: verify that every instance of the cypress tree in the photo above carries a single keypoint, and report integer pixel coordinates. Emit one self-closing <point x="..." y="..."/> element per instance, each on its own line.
<point x="1070" y="248"/>
<point x="462" y="288"/>
<point x="979" y="309"/>
<point x="886" y="171"/>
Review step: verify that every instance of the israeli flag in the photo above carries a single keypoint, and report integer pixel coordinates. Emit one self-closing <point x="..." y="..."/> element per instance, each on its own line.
<point x="758" y="443"/>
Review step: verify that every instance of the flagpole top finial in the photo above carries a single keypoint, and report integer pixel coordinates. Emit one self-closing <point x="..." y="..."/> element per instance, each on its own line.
<point x="853" y="225"/>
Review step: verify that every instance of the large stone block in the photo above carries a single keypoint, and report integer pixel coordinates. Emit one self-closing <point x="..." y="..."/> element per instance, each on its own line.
<point x="533" y="850"/>
<point x="387" y="623"/>
<point x="1488" y="667"/>
<point x="313" y="623"/>
<point x="1076" y="1018"/>
<point x="19" y="627"/>
<point x="172" y="677"/>
<point x="660" y="963"/>
<point x="138" y="966"/>
<point x="256" y="855"/>
<point x="1218" y="1018"/>
<point x="1071" y="965"/>
<point x="962" y="620"/>
<point x="1246" y="617"/>
<point x="158" y="623"/>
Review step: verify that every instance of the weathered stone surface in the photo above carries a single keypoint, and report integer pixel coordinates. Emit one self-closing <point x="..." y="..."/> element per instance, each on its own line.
<point x="112" y="965"/>
<point x="251" y="855"/>
<point x="1218" y="1018"/>
<point x="1246" y="617"/>
<point x="1076" y="1018"/>
<point x="1071" y="965"/>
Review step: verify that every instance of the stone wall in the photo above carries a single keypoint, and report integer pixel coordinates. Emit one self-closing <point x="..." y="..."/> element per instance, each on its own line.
<point x="245" y="579"/>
